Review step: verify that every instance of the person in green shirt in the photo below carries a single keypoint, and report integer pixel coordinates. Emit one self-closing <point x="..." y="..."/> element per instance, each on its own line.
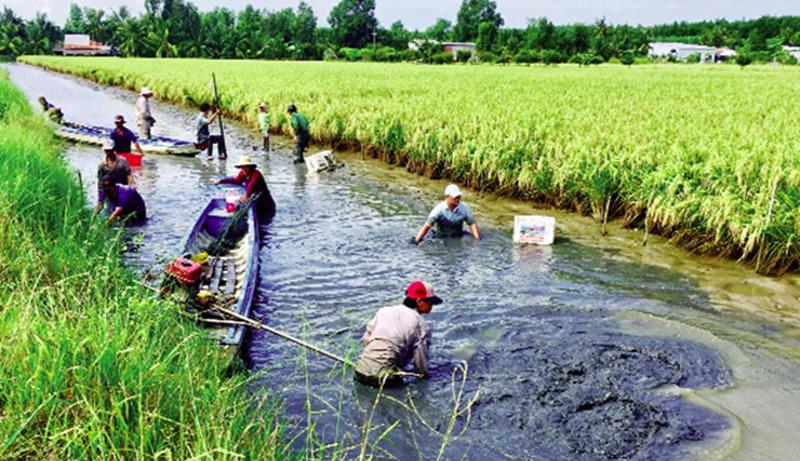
<point x="263" y="124"/>
<point x="300" y="133"/>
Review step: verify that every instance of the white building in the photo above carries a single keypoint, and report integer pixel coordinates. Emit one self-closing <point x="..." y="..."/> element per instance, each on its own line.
<point x="449" y="47"/>
<point x="681" y="51"/>
<point x="81" y="45"/>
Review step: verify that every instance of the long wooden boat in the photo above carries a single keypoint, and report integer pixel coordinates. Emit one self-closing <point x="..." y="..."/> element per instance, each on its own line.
<point x="159" y="145"/>
<point x="230" y="274"/>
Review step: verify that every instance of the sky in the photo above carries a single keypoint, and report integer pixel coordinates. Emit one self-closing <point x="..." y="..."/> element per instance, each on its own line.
<point x="419" y="14"/>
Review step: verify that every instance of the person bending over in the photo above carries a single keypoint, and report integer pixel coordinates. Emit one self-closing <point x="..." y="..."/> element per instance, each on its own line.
<point x="397" y="336"/>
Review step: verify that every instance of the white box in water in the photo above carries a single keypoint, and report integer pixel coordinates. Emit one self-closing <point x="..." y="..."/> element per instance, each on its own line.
<point x="540" y="230"/>
<point x="323" y="161"/>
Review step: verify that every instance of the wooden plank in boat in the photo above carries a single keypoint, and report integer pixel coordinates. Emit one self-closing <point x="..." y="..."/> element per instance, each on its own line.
<point x="216" y="276"/>
<point x="230" y="277"/>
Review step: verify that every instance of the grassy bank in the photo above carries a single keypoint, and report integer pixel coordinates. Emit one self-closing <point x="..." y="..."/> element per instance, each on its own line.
<point x="705" y="155"/>
<point x="93" y="368"/>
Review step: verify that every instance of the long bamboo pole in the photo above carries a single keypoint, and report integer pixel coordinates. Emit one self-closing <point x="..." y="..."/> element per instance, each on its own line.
<point x="219" y="117"/>
<point x="260" y="326"/>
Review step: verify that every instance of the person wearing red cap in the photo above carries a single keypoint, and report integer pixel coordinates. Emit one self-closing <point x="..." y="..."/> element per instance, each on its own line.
<point x="397" y="336"/>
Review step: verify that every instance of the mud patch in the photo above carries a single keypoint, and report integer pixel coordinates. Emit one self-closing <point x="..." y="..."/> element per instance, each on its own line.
<point x="587" y="396"/>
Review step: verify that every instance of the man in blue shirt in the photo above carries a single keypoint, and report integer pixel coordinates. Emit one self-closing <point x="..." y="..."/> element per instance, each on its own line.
<point x="123" y="137"/>
<point x="449" y="217"/>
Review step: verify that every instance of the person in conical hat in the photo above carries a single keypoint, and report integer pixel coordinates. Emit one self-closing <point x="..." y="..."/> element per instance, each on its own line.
<point x="251" y="178"/>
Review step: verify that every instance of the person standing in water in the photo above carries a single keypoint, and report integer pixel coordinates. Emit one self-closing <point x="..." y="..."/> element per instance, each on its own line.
<point x="449" y="217"/>
<point x="114" y="168"/>
<point x="123" y="138"/>
<point x="300" y="133"/>
<point x="204" y="137"/>
<point x="144" y="118"/>
<point x="263" y="124"/>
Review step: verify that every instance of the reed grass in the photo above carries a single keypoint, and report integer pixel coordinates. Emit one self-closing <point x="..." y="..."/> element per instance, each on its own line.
<point x="94" y="368"/>
<point x="693" y="151"/>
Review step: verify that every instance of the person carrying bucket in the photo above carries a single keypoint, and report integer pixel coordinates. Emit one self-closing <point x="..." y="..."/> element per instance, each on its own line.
<point x="300" y="133"/>
<point x="123" y="138"/>
<point x="144" y="118"/>
<point x="397" y="336"/>
<point x="449" y="217"/>
<point x="250" y="177"/>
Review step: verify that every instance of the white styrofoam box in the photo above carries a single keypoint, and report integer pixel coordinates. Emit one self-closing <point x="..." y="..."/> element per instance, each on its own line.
<point x="323" y="161"/>
<point x="540" y="230"/>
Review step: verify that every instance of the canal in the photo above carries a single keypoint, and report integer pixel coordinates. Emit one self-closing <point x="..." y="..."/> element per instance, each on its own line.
<point x="594" y="348"/>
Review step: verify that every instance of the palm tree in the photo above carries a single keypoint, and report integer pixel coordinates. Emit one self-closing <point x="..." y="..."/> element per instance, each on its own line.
<point x="160" y="41"/>
<point x="37" y="42"/>
<point x="194" y="47"/>
<point x="130" y="36"/>
<point x="10" y="41"/>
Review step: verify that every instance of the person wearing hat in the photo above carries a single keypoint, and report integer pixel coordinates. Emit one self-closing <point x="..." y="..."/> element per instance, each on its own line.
<point x="51" y="110"/>
<point x="204" y="137"/>
<point x="396" y="336"/>
<point x="144" y="118"/>
<point x="300" y="132"/>
<point x="123" y="137"/>
<point x="250" y="177"/>
<point x="449" y="217"/>
<point x="124" y="201"/>
<point x="113" y="167"/>
<point x="263" y="124"/>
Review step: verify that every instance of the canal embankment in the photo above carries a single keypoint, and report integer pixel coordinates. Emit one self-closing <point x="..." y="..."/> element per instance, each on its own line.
<point x="93" y="366"/>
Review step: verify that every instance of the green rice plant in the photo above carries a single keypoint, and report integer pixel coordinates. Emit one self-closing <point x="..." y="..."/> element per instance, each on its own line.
<point x="693" y="149"/>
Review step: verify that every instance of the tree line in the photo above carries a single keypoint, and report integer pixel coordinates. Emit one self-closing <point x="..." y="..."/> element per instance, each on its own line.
<point x="176" y="28"/>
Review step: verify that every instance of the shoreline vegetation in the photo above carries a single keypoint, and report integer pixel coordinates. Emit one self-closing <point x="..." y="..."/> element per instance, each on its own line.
<point x="93" y="366"/>
<point x="705" y="156"/>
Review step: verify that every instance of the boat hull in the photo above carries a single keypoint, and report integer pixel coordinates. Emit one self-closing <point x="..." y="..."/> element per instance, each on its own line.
<point x="96" y="135"/>
<point x="243" y="259"/>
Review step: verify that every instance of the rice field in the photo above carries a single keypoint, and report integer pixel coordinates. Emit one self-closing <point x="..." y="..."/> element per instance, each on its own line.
<point x="704" y="155"/>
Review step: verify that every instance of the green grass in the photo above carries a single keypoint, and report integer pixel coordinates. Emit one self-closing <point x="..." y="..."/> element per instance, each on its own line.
<point x="93" y="367"/>
<point x="690" y="152"/>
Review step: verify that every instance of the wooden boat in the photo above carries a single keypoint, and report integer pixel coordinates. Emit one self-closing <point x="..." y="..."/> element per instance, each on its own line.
<point x="231" y="241"/>
<point x="159" y="145"/>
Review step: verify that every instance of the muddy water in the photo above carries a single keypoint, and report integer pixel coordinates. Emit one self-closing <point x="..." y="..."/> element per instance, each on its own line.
<point x="594" y="348"/>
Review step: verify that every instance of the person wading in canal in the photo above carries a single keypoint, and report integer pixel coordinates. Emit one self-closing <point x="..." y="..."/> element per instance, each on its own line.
<point x="125" y="202"/>
<point x="300" y="133"/>
<point x="144" y="118"/>
<point x="449" y="217"/>
<point x="396" y="336"/>
<point x="250" y="177"/>
<point x="123" y="137"/>
<point x="114" y="168"/>
<point x="204" y="138"/>
<point x="263" y="124"/>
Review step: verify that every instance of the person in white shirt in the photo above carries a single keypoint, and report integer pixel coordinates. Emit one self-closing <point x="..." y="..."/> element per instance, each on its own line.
<point x="449" y="217"/>
<point x="397" y="336"/>
<point x="144" y="118"/>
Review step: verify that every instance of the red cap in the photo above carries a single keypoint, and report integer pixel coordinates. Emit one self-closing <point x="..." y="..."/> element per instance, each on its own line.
<point x="422" y="290"/>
